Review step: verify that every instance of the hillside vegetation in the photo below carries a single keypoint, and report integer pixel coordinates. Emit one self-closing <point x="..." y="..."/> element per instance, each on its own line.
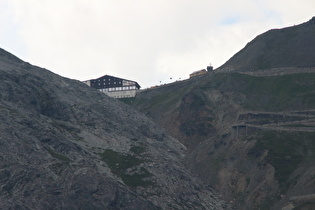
<point x="64" y="145"/>
<point x="277" y="48"/>
<point x="251" y="138"/>
<point x="249" y="127"/>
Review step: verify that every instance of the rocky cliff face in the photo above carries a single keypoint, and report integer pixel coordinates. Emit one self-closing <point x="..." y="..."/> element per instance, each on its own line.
<point x="249" y="126"/>
<point x="278" y="48"/>
<point x="67" y="146"/>
<point x="249" y="137"/>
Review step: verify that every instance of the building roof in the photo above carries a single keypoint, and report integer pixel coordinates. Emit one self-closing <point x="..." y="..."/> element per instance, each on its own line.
<point x="108" y="81"/>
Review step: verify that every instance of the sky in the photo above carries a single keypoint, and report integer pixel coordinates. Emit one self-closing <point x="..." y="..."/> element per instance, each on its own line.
<point x="152" y="42"/>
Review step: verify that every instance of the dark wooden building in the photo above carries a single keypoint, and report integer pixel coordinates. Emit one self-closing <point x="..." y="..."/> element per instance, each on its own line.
<point x="114" y="86"/>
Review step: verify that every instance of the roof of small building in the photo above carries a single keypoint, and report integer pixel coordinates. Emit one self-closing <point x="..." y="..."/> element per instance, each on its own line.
<point x="116" y="78"/>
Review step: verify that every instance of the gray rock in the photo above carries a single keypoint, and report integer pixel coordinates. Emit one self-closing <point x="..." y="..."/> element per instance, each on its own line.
<point x="64" y="145"/>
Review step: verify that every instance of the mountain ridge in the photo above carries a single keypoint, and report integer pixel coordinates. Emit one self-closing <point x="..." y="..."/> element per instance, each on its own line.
<point x="276" y="48"/>
<point x="249" y="131"/>
<point x="65" y="145"/>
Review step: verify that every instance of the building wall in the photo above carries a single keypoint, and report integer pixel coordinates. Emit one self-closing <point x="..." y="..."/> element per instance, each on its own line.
<point x="196" y="73"/>
<point x="106" y="82"/>
<point x="121" y="94"/>
<point x="110" y="81"/>
<point x="115" y="87"/>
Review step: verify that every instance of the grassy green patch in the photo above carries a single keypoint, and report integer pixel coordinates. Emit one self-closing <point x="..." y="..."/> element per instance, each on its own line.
<point x="161" y="99"/>
<point x="282" y="153"/>
<point x="286" y="150"/>
<point x="272" y="93"/>
<point x="198" y="126"/>
<point x="216" y="163"/>
<point x="306" y="205"/>
<point x="268" y="202"/>
<point x="120" y="164"/>
<point x="158" y="99"/>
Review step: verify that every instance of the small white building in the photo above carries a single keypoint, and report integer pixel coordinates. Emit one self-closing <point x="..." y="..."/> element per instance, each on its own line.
<point x="114" y="87"/>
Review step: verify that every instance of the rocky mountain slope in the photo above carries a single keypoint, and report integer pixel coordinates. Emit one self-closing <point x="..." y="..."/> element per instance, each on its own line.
<point x="67" y="146"/>
<point x="250" y="136"/>
<point x="291" y="47"/>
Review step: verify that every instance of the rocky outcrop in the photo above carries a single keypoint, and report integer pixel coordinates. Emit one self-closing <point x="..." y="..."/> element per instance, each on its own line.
<point x="67" y="146"/>
<point x="259" y="150"/>
<point x="277" y="49"/>
<point x="249" y="126"/>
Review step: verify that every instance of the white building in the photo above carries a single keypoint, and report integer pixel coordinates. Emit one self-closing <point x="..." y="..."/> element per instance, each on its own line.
<point x="114" y="87"/>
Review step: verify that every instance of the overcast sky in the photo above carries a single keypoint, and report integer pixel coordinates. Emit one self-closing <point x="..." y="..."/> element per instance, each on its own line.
<point x="149" y="41"/>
